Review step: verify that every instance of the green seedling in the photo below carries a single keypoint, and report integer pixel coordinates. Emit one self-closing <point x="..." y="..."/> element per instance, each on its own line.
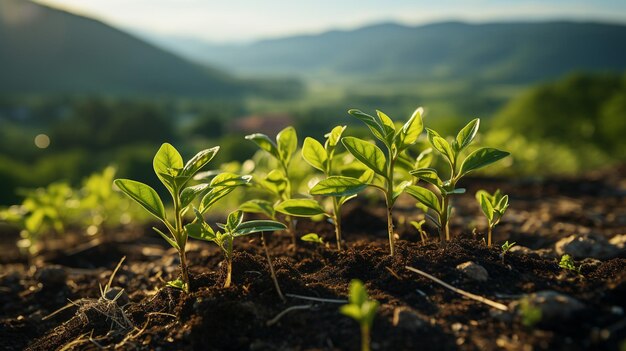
<point x="530" y="314"/>
<point x="361" y="309"/>
<point x="233" y="228"/>
<point x="169" y="168"/>
<point x="312" y="238"/>
<point x="418" y="226"/>
<point x="396" y="142"/>
<point x="505" y="248"/>
<point x="493" y="206"/>
<point x="567" y="262"/>
<point x="278" y="181"/>
<point x="339" y="188"/>
<point x="440" y="203"/>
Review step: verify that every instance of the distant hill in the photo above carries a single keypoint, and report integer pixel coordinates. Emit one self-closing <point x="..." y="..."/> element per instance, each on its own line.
<point x="44" y="50"/>
<point x="497" y="52"/>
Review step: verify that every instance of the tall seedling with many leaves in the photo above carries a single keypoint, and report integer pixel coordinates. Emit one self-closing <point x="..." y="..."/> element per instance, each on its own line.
<point x="440" y="203"/>
<point x="168" y="166"/>
<point x="278" y="181"/>
<point x="340" y="188"/>
<point x="382" y="163"/>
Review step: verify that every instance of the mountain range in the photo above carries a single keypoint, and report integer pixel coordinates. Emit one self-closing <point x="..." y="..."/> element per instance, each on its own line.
<point x="45" y="50"/>
<point x="494" y="52"/>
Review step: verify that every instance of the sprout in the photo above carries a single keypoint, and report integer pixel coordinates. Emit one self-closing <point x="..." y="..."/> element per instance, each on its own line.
<point x="361" y="309"/>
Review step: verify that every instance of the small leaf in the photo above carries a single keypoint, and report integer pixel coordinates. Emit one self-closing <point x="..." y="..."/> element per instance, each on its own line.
<point x="312" y="238"/>
<point x="234" y="219"/>
<point x="166" y="161"/>
<point x="314" y="154"/>
<point x="358" y="294"/>
<point x="399" y="189"/>
<point x="428" y="175"/>
<point x="332" y="138"/>
<point x="368" y="153"/>
<point x="440" y="144"/>
<point x="388" y="127"/>
<point x="287" y="142"/>
<point x="167" y="238"/>
<point x="198" y="161"/>
<point x="189" y="193"/>
<point x="424" y="196"/>
<point x="411" y="130"/>
<point x="229" y="180"/>
<point x="372" y="123"/>
<point x="258" y="206"/>
<point x="424" y="159"/>
<point x="300" y="208"/>
<point x="177" y="284"/>
<point x="250" y="227"/>
<point x="485" y="205"/>
<point x="144" y="195"/>
<point x="467" y="134"/>
<point x="352" y="311"/>
<point x="481" y="158"/>
<point x="344" y="199"/>
<point x="338" y="186"/>
<point x="265" y="143"/>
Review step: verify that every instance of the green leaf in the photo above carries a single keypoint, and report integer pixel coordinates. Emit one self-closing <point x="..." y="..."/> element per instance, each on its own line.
<point x="332" y="138"/>
<point x="481" y="158"/>
<point x="144" y="195"/>
<point x="250" y="227"/>
<point x="388" y="127"/>
<point x="344" y="199"/>
<point x="424" y="196"/>
<point x="300" y="208"/>
<point x="481" y="193"/>
<point x="198" y="161"/>
<point x="167" y="161"/>
<point x="467" y="134"/>
<point x="411" y="130"/>
<point x="200" y="231"/>
<point x="189" y="193"/>
<point x="368" y="153"/>
<point x="287" y="141"/>
<point x="213" y="196"/>
<point x="258" y="206"/>
<point x="177" y="284"/>
<point x="352" y="311"/>
<point x="312" y="238"/>
<point x="167" y="238"/>
<point x="440" y="144"/>
<point x="358" y="294"/>
<point x="314" y="154"/>
<point x="372" y="123"/>
<point x="424" y="159"/>
<point x="265" y="143"/>
<point x="487" y="207"/>
<point x="503" y="204"/>
<point x="428" y="175"/>
<point x="227" y="179"/>
<point x="338" y="186"/>
<point x="234" y="219"/>
<point x="399" y="189"/>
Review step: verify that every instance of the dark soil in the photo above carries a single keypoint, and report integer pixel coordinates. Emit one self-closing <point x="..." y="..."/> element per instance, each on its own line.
<point x="415" y="313"/>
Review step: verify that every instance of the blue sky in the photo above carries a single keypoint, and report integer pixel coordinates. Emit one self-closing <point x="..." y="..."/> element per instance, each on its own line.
<point x="245" y="20"/>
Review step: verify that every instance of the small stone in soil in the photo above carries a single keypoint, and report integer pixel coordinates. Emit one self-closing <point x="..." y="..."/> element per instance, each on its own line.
<point x="586" y="245"/>
<point x="554" y="306"/>
<point x="474" y="271"/>
<point x="51" y="276"/>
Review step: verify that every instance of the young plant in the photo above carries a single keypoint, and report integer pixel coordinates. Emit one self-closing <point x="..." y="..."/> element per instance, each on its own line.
<point x="312" y="238"/>
<point x="396" y="142"/>
<point x="233" y="228"/>
<point x="361" y="309"/>
<point x="567" y="262"/>
<point x="418" y="226"/>
<point x="339" y="188"/>
<point x="493" y="207"/>
<point x="169" y="168"/>
<point x="505" y="248"/>
<point x="278" y="181"/>
<point x="440" y="202"/>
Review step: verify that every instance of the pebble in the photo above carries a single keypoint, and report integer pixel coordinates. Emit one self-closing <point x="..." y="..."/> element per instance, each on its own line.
<point x="474" y="271"/>
<point x="587" y="245"/>
<point x="555" y="307"/>
<point x="408" y="319"/>
<point x="52" y="275"/>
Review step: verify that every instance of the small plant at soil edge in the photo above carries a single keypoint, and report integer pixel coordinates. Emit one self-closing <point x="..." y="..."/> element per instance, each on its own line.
<point x="493" y="206"/>
<point x="567" y="262"/>
<point x="361" y="309"/>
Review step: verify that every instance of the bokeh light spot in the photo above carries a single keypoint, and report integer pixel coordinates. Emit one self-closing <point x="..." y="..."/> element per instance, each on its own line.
<point x="42" y="141"/>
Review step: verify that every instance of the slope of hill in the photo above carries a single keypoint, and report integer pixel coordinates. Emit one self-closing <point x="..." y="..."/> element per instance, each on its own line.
<point x="44" y="50"/>
<point x="499" y="52"/>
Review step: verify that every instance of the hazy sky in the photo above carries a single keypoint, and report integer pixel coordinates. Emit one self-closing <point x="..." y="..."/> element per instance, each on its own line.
<point x="243" y="20"/>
